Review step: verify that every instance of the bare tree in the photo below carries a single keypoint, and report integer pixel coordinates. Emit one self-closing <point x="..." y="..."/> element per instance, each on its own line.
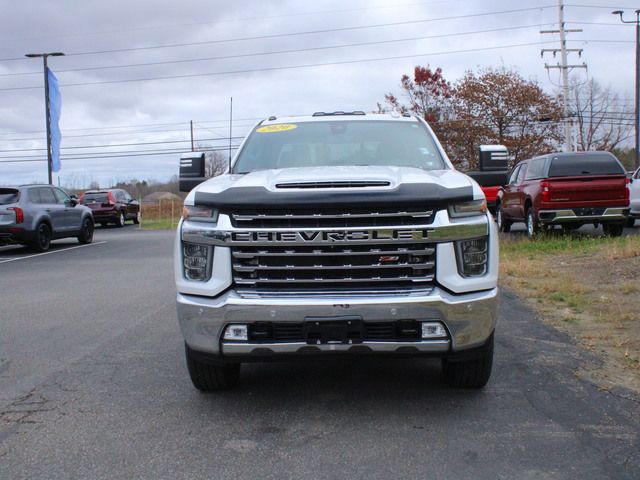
<point x="216" y="163"/>
<point x="603" y="120"/>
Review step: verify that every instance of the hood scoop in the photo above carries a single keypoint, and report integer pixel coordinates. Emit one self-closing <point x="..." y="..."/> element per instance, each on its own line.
<point x="335" y="184"/>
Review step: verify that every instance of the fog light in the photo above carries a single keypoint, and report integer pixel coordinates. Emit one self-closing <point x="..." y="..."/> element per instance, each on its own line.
<point x="236" y="333"/>
<point x="433" y="330"/>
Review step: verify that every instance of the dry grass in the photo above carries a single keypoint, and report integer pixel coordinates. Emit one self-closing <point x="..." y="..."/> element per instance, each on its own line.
<point x="586" y="287"/>
<point x="161" y="215"/>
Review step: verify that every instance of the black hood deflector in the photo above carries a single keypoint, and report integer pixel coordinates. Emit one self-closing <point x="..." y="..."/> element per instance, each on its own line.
<point x="405" y="195"/>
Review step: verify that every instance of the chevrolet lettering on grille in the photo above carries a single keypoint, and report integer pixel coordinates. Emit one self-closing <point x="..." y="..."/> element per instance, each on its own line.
<point x="385" y="235"/>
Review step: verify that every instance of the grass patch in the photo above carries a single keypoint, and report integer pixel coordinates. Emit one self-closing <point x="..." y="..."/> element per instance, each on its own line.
<point x="159" y="224"/>
<point x="613" y="248"/>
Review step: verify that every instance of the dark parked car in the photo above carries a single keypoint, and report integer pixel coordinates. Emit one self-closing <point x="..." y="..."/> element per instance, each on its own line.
<point x="112" y="206"/>
<point x="568" y="189"/>
<point x="33" y="215"/>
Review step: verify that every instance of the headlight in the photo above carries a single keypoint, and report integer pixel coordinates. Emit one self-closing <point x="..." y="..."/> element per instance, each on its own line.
<point x="473" y="256"/>
<point x="197" y="260"/>
<point x="468" y="209"/>
<point x="199" y="214"/>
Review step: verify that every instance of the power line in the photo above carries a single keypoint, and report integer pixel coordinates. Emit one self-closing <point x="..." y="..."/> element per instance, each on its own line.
<point x="133" y="153"/>
<point x="288" y="67"/>
<point x="235" y="20"/>
<point x="109" y="127"/>
<point x="311" y="32"/>
<point x="120" y="145"/>
<point x="279" y="52"/>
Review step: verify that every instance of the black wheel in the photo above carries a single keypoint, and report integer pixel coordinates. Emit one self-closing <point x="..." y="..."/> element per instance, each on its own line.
<point x="533" y="227"/>
<point x="631" y="222"/>
<point x="136" y="219"/>
<point x="210" y="378"/>
<point x="43" y="238"/>
<point x="613" y="229"/>
<point x="503" y="225"/>
<point x="471" y="373"/>
<point x="120" y="220"/>
<point x="86" y="232"/>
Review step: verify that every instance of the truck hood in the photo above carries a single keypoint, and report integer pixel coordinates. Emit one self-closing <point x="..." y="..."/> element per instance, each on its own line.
<point x="353" y="185"/>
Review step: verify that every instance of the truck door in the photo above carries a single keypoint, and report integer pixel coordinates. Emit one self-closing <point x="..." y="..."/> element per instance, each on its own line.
<point x="520" y="196"/>
<point x="509" y="194"/>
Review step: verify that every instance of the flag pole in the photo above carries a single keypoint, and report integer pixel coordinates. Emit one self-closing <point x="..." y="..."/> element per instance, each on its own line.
<point x="46" y="105"/>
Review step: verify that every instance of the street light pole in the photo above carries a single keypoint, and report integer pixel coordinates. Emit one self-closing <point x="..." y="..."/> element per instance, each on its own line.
<point x="46" y="103"/>
<point x="637" y="102"/>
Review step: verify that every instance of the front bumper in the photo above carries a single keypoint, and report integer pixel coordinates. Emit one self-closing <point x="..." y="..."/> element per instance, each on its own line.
<point x="469" y="318"/>
<point x="584" y="215"/>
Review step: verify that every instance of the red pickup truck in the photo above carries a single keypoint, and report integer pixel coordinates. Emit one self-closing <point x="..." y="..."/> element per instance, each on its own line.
<point x="567" y="189"/>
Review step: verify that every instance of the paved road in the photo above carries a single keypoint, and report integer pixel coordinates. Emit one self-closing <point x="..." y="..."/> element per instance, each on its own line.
<point x="93" y="385"/>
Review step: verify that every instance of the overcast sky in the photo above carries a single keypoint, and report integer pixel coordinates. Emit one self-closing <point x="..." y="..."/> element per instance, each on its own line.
<point x="280" y="58"/>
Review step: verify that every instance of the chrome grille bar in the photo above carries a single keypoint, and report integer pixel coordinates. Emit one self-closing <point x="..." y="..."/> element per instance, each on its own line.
<point x="417" y="266"/>
<point x="294" y="280"/>
<point x="239" y="253"/>
<point x="314" y="216"/>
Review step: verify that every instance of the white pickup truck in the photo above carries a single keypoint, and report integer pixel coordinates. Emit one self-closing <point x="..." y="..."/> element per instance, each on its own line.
<point x="337" y="234"/>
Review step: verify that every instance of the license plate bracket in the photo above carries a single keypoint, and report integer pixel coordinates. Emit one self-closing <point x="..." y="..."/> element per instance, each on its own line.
<point x="333" y="330"/>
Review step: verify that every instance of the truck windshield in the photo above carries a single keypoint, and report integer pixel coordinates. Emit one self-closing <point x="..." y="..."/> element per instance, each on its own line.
<point x="587" y="164"/>
<point x="338" y="143"/>
<point x="8" y="195"/>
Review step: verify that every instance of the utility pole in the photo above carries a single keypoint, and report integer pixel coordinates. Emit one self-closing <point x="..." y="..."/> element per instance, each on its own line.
<point x="191" y="125"/>
<point x="230" y="129"/>
<point x="637" y="22"/>
<point x="564" y="69"/>
<point x="46" y="103"/>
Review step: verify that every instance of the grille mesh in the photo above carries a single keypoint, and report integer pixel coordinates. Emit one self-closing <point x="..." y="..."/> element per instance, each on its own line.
<point x="336" y="267"/>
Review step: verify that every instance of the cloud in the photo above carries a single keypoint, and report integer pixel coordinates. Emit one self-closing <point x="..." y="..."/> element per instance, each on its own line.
<point x="91" y="112"/>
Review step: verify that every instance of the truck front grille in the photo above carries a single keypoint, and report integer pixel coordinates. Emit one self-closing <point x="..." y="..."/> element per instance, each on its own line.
<point x="338" y="217"/>
<point x="335" y="268"/>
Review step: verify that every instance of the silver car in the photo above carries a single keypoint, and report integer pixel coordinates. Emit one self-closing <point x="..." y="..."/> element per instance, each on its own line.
<point x="634" y="198"/>
<point x="34" y="215"/>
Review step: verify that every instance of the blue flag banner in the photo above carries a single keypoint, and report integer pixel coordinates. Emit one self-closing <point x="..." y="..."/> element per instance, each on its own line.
<point x="55" y="103"/>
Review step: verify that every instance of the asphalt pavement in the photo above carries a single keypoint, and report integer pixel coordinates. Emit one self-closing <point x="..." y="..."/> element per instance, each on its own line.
<point x="93" y="386"/>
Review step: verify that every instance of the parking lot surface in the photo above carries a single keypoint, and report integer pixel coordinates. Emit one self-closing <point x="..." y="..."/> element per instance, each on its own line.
<point x="93" y="385"/>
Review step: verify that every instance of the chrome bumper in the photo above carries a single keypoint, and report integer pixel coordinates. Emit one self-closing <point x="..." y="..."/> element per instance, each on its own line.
<point x="551" y="217"/>
<point x="470" y="319"/>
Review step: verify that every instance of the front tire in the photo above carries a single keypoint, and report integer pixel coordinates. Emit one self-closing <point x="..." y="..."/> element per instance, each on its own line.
<point x="43" y="238"/>
<point x="631" y="222"/>
<point x="136" y="219"/>
<point x="86" y="232"/>
<point x="209" y="377"/>
<point x="613" y="229"/>
<point x="502" y="224"/>
<point x="471" y="373"/>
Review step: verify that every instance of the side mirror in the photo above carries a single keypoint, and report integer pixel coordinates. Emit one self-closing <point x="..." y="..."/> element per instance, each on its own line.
<point x="191" y="171"/>
<point x="73" y="201"/>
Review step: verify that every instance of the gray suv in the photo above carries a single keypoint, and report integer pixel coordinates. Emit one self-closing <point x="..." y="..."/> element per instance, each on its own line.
<point x="33" y="215"/>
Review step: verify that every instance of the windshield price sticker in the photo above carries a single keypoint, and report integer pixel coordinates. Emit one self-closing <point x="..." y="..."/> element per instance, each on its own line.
<point x="281" y="127"/>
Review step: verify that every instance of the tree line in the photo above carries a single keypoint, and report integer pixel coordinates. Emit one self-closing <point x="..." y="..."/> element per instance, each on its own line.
<point x="499" y="106"/>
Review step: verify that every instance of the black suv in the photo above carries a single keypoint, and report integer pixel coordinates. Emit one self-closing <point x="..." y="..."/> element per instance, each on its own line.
<point x="113" y="205"/>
